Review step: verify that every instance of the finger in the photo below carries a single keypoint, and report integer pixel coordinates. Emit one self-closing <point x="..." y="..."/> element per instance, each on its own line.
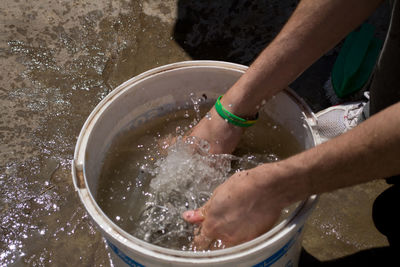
<point x="193" y="216"/>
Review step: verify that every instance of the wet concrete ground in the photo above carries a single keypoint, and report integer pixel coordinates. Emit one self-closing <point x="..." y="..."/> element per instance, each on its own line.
<point x="59" y="58"/>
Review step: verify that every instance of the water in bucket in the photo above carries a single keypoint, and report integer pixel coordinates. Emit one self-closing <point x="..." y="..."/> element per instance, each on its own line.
<point x="145" y="188"/>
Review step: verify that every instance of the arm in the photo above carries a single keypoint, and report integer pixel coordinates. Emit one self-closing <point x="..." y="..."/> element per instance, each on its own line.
<point x="314" y="28"/>
<point x="256" y="197"/>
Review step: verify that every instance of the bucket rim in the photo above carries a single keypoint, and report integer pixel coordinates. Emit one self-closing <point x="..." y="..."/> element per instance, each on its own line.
<point x="79" y="154"/>
<point x="145" y="248"/>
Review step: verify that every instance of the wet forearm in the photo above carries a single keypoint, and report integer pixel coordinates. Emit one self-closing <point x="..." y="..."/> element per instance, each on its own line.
<point x="314" y="28"/>
<point x="369" y="151"/>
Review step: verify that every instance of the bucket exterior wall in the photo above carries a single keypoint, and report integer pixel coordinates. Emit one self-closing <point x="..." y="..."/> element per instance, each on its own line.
<point x="152" y="94"/>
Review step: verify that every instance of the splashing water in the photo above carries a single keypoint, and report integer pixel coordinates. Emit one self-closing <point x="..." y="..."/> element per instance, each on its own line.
<point x="146" y="190"/>
<point x="182" y="180"/>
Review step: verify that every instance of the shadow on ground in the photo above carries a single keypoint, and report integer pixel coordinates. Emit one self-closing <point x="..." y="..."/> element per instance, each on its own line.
<point x="234" y="31"/>
<point x="237" y="31"/>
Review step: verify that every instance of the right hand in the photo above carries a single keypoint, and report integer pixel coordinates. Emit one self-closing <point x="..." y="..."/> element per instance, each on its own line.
<point x="242" y="208"/>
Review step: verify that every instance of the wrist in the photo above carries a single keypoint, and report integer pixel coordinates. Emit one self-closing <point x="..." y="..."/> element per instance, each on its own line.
<point x="284" y="180"/>
<point x="221" y="135"/>
<point x="241" y="104"/>
<point x="232" y="118"/>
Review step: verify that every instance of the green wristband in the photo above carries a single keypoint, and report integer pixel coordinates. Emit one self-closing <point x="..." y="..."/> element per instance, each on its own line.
<point x="232" y="118"/>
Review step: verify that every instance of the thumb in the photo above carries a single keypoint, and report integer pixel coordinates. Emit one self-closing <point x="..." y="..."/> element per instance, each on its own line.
<point x="193" y="216"/>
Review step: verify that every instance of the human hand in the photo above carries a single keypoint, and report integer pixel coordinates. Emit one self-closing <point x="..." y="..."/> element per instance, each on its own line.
<point x="245" y="206"/>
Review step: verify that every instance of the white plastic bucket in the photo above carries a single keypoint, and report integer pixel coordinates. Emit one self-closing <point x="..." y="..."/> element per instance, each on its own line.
<point x="150" y="95"/>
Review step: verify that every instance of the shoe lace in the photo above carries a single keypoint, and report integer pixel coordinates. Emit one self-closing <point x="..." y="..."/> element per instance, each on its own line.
<point x="353" y="114"/>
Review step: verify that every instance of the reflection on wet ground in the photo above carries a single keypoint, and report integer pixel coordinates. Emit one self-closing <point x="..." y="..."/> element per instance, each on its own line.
<point x="60" y="58"/>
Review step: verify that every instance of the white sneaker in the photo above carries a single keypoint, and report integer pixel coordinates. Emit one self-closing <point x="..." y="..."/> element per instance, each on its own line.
<point x="337" y="120"/>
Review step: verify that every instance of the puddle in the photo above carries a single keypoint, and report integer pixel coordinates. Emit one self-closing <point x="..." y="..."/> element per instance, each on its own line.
<point x="59" y="59"/>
